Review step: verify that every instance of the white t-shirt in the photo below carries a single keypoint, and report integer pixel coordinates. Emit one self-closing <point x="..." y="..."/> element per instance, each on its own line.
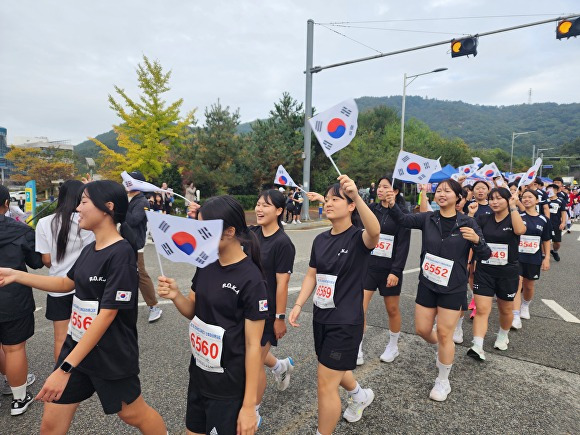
<point x="46" y="244"/>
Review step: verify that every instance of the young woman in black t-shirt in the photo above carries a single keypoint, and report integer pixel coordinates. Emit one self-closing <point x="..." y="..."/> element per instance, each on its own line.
<point x="277" y="253"/>
<point x="386" y="266"/>
<point x="497" y="275"/>
<point x="338" y="264"/>
<point x="101" y="350"/>
<point x="227" y="307"/>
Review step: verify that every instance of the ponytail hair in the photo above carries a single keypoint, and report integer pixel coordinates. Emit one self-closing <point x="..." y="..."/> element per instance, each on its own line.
<point x="335" y="190"/>
<point x="68" y="201"/>
<point x="103" y="191"/>
<point x="277" y="199"/>
<point x="228" y="209"/>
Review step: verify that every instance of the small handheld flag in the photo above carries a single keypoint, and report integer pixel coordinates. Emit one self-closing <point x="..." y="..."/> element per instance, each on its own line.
<point x="531" y="174"/>
<point x="131" y="183"/>
<point x="282" y="178"/>
<point x="415" y="169"/>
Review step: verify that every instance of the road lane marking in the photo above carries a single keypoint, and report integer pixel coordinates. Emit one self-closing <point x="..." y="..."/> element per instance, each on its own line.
<point x="560" y="311"/>
<point x="417" y="269"/>
<point x="165" y="302"/>
<point x="38" y="309"/>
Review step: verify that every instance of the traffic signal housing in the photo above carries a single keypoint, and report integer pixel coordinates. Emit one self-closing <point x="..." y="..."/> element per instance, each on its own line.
<point x="464" y="47"/>
<point x="568" y="28"/>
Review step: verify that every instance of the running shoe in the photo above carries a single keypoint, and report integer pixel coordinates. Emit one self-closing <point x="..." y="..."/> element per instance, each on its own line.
<point x="284" y="223"/>
<point x="355" y="409"/>
<point x="360" y="360"/>
<point x="294" y="222"/>
<point x="440" y="390"/>
<point x="390" y="353"/>
<point x="154" y="313"/>
<point x="6" y="390"/>
<point x="517" y="322"/>
<point x="501" y="342"/>
<point x="476" y="352"/>
<point x="259" y="417"/>
<point x="525" y="312"/>
<point x="458" y="335"/>
<point x="20" y="406"/>
<point x="555" y="255"/>
<point x="283" y="379"/>
<point x="299" y="221"/>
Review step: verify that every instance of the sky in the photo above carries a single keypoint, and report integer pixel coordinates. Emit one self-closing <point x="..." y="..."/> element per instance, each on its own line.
<point x="60" y="59"/>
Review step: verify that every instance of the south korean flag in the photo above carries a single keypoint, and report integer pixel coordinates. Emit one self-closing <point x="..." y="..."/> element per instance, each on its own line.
<point x="336" y="127"/>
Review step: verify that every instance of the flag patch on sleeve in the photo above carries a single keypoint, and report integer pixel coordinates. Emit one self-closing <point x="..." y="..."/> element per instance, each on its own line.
<point x="263" y="305"/>
<point x="123" y="296"/>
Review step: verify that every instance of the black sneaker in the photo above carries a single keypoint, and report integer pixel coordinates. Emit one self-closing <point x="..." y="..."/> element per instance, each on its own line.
<point x="20" y="406"/>
<point x="555" y="255"/>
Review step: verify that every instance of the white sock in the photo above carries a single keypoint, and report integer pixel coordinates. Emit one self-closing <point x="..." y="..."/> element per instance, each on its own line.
<point x="443" y="370"/>
<point x="394" y="338"/>
<point x="278" y="368"/>
<point x="317" y="432"/>
<point x="19" y="393"/>
<point x="516" y="313"/>
<point x="358" y="394"/>
<point x="360" y="346"/>
<point x="526" y="303"/>
<point x="459" y="323"/>
<point x="478" y="341"/>
<point x="503" y="332"/>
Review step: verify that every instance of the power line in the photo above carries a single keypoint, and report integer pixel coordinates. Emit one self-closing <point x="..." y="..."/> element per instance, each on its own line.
<point x="348" y="37"/>
<point x="399" y="30"/>
<point x="333" y="23"/>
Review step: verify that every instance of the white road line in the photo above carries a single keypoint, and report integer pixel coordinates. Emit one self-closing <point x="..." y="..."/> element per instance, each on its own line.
<point x="417" y="269"/>
<point x="38" y="309"/>
<point x="293" y="290"/>
<point x="165" y="302"/>
<point x="563" y="313"/>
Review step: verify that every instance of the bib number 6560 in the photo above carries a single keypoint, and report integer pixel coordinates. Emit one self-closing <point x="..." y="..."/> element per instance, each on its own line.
<point x="204" y="347"/>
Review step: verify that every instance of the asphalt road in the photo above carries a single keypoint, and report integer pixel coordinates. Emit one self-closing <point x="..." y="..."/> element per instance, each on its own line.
<point x="534" y="387"/>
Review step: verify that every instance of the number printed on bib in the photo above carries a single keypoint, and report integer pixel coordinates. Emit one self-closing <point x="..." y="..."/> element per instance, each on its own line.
<point x="437" y="269"/>
<point x="207" y="342"/>
<point x="385" y="246"/>
<point x="529" y="244"/>
<point x="324" y="293"/>
<point x="83" y="314"/>
<point x="499" y="254"/>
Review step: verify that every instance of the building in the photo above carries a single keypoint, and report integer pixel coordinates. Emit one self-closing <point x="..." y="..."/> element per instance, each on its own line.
<point x="42" y="143"/>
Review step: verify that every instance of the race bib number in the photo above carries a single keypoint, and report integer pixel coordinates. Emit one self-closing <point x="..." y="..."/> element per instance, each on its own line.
<point x="554" y="207"/>
<point x="385" y="246"/>
<point x="82" y="316"/>
<point x="324" y="294"/>
<point x="529" y="244"/>
<point x="437" y="269"/>
<point x="499" y="254"/>
<point x="207" y="342"/>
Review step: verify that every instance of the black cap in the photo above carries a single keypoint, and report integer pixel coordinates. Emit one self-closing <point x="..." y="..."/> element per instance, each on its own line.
<point x="137" y="175"/>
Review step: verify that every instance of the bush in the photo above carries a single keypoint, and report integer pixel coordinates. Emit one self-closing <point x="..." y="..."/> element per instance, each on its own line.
<point x="248" y="201"/>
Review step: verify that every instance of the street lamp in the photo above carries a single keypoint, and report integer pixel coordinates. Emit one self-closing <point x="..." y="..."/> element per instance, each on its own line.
<point x="541" y="153"/>
<point x="514" y="135"/>
<point x="405" y="84"/>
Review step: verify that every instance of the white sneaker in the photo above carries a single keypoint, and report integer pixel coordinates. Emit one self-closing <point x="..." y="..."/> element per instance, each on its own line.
<point x="154" y="313"/>
<point x="294" y="222"/>
<point x="355" y="409"/>
<point x="501" y="342"/>
<point x="517" y="322"/>
<point x="476" y="353"/>
<point x="458" y="335"/>
<point x="284" y="223"/>
<point x="299" y="221"/>
<point x="525" y="312"/>
<point x="360" y="360"/>
<point x="440" y="390"/>
<point x="283" y="379"/>
<point x="390" y="353"/>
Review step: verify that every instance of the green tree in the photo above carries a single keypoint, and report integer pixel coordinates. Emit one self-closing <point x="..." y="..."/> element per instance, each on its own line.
<point x="149" y="126"/>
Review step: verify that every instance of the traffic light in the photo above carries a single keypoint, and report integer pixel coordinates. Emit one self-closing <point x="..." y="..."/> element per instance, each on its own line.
<point x="464" y="47"/>
<point x="568" y="28"/>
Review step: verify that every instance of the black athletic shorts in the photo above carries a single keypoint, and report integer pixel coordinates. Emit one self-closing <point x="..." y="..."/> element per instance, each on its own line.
<point x="378" y="279"/>
<point x="505" y="287"/>
<point x="336" y="346"/>
<point x="58" y="308"/>
<point x="452" y="301"/>
<point x="556" y="235"/>
<point x="210" y="416"/>
<point x="268" y="335"/>
<point x="530" y="271"/>
<point x="112" y="392"/>
<point x="17" y="331"/>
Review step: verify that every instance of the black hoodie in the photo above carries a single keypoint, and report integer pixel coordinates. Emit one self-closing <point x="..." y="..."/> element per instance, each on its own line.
<point x="17" y="251"/>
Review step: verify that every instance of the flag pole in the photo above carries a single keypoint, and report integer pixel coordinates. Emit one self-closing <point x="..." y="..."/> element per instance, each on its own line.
<point x="159" y="260"/>
<point x="334" y="164"/>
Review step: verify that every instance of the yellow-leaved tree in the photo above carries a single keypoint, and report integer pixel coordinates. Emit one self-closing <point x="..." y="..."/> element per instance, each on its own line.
<point x="149" y="128"/>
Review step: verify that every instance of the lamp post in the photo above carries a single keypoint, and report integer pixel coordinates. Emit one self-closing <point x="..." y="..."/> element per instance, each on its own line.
<point x="405" y="84"/>
<point x="541" y="153"/>
<point x="514" y="135"/>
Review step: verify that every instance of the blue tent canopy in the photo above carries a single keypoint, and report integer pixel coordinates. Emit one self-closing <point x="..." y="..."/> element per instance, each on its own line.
<point x="443" y="174"/>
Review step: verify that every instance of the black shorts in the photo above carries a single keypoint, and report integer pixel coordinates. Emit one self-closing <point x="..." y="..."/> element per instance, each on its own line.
<point x="58" y="308"/>
<point x="268" y="335"/>
<point x="112" y="392"/>
<point x="17" y="331"/>
<point x="205" y="415"/>
<point x="505" y="287"/>
<point x="336" y="346"/>
<point x="556" y="235"/>
<point x="530" y="271"/>
<point x="452" y="301"/>
<point x="378" y="279"/>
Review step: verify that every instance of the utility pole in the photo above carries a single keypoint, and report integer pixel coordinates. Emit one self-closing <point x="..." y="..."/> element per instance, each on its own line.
<point x="307" y="115"/>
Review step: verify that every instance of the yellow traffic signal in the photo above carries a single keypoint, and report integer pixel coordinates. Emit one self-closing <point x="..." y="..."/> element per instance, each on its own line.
<point x="464" y="47"/>
<point x="568" y="28"/>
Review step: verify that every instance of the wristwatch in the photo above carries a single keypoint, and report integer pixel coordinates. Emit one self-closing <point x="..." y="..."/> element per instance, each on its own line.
<point x="66" y="367"/>
<point x="280" y="316"/>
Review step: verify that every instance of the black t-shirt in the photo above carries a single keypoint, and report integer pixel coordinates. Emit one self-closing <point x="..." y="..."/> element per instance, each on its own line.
<point x="346" y="257"/>
<point x="372" y="193"/>
<point x="481" y="209"/>
<point x="447" y="225"/>
<point x="564" y="198"/>
<point x="536" y="226"/>
<point x="277" y="254"/>
<point x="297" y="196"/>
<point x="501" y="233"/>
<point x="556" y="209"/>
<point x="110" y="277"/>
<point x="225" y="296"/>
